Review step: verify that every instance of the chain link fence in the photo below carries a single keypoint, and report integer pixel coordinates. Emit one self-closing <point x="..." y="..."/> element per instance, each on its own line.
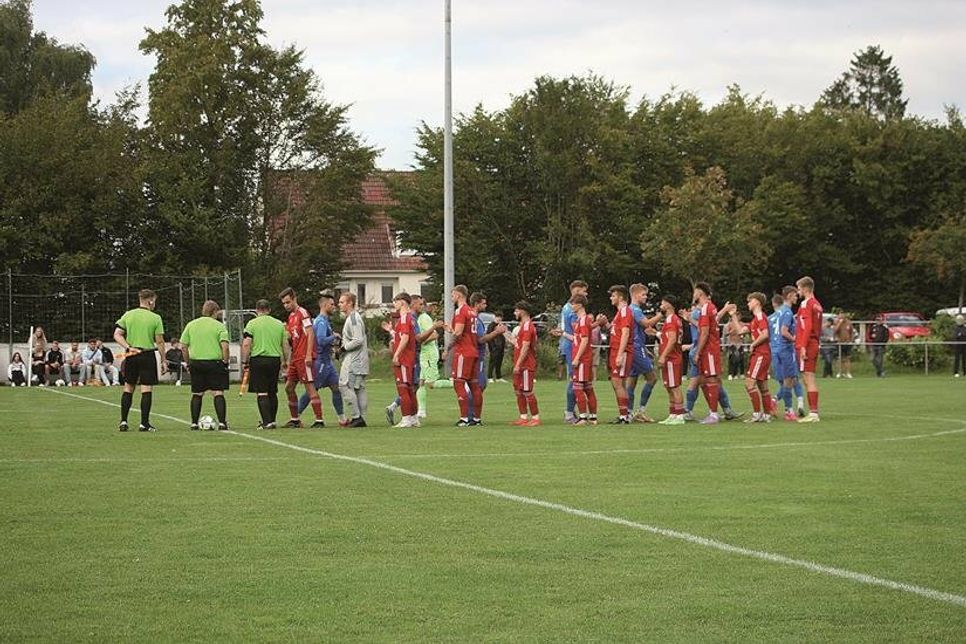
<point x="75" y="308"/>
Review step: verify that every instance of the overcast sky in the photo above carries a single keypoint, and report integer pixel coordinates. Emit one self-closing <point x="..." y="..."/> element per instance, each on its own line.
<point x="385" y="57"/>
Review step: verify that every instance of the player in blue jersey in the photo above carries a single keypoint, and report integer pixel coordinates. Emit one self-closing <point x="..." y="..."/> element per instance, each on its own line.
<point x="642" y="364"/>
<point x="694" y="375"/>
<point x="566" y="334"/>
<point x="782" y="326"/>
<point x="325" y="372"/>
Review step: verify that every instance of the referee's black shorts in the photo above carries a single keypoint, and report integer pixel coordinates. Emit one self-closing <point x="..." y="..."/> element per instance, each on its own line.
<point x="141" y="368"/>
<point x="263" y="374"/>
<point x="208" y="375"/>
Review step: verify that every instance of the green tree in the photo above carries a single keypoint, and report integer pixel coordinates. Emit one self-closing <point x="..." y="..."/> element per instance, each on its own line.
<point x="227" y="114"/>
<point x="700" y="235"/>
<point x="942" y="250"/>
<point x="872" y="84"/>
<point x="32" y="64"/>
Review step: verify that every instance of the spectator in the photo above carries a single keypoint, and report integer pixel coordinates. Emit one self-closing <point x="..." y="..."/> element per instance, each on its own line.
<point x="74" y="364"/>
<point x="38" y="357"/>
<point x="110" y="375"/>
<point x="497" y="347"/>
<point x="959" y="350"/>
<point x="55" y="364"/>
<point x="844" y="336"/>
<point x="879" y="336"/>
<point x="175" y="359"/>
<point x="17" y="371"/>
<point x="827" y="348"/>
<point x="91" y="360"/>
<point x="735" y="346"/>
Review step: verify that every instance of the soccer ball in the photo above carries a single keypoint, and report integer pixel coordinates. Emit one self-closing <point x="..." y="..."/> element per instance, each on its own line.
<point x="206" y="422"/>
<point x="60" y="382"/>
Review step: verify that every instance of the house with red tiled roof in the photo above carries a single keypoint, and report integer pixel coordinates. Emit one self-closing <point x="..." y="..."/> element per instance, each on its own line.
<point x="376" y="266"/>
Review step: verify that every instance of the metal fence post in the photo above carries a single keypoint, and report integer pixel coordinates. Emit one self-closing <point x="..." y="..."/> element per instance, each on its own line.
<point x="226" y="307"/>
<point x="927" y="358"/>
<point x="10" y="315"/>
<point x="180" y="307"/>
<point x="83" y="310"/>
<point x="206" y="288"/>
<point x="127" y="288"/>
<point x="240" y="305"/>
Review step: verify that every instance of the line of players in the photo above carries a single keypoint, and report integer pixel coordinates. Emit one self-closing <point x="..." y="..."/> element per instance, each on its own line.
<point x="791" y="342"/>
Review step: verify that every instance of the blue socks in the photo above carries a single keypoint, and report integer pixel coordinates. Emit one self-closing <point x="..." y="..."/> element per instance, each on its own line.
<point x="646" y="393"/>
<point x="690" y="398"/>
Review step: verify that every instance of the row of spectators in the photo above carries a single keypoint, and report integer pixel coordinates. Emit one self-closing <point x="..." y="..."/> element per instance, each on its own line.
<point x="50" y="365"/>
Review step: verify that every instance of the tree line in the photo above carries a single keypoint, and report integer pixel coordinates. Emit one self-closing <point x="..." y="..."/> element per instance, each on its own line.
<point x="571" y="180"/>
<point x="568" y="180"/>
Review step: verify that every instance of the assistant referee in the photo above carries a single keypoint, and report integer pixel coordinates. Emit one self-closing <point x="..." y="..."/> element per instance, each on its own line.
<point x="139" y="332"/>
<point x="205" y="345"/>
<point x="265" y="351"/>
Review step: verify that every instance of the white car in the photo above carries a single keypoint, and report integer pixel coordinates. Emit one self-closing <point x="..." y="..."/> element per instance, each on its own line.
<point x="952" y="311"/>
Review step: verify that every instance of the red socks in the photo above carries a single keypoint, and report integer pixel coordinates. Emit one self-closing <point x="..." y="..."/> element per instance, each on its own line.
<point x="813" y="402"/>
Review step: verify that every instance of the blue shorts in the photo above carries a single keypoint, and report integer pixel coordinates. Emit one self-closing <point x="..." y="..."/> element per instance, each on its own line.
<point x="642" y="363"/>
<point x="785" y="364"/>
<point x="481" y="373"/>
<point x="326" y="376"/>
<point x="692" y="364"/>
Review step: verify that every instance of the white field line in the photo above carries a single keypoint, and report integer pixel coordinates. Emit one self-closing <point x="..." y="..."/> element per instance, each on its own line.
<point x="698" y="448"/>
<point x="714" y="544"/>
<point x="184" y="459"/>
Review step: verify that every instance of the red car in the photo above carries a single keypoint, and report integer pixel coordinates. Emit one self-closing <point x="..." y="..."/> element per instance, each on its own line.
<point x="904" y="325"/>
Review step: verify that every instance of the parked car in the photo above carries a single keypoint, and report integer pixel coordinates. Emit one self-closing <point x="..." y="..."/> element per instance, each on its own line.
<point x="952" y="311"/>
<point x="904" y="325"/>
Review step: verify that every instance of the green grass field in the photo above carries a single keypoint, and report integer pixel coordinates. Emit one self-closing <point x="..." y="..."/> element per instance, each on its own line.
<point x="209" y="536"/>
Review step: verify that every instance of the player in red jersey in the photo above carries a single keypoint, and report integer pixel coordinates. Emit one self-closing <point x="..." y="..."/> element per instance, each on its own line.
<point x="670" y="360"/>
<point x="759" y="364"/>
<point x="525" y="366"/>
<point x="808" y="330"/>
<point x="465" y="355"/>
<point x="301" y="368"/>
<point x="709" y="350"/>
<point x="582" y="361"/>
<point x="404" y="360"/>
<point x="621" y="351"/>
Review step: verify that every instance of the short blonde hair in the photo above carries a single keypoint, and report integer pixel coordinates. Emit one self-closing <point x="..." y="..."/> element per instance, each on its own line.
<point x="210" y="308"/>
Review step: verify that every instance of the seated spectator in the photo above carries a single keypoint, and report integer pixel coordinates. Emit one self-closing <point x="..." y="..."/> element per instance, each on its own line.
<point x="55" y="363"/>
<point x="91" y="360"/>
<point x="17" y="371"/>
<point x="74" y="366"/>
<point x="175" y="359"/>
<point x="109" y="373"/>
<point x="38" y="357"/>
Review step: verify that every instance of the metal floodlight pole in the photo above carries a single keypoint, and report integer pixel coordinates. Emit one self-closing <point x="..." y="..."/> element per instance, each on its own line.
<point x="225" y="307"/>
<point x="448" y="251"/>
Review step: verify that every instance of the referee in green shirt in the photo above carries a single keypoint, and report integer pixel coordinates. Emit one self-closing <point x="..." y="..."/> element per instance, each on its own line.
<point x="139" y="332"/>
<point x="205" y="345"/>
<point x="266" y="352"/>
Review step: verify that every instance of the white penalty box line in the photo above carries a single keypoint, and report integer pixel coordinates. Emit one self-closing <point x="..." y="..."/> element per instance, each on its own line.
<point x="714" y="544"/>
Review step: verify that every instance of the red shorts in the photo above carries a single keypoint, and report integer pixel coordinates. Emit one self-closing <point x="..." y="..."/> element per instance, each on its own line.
<point x="523" y="381"/>
<point x="583" y="372"/>
<point x="403" y="374"/>
<point x="709" y="364"/>
<point x="464" y="367"/>
<point x="758" y="366"/>
<point x="624" y="370"/>
<point x="811" y="357"/>
<point x="299" y="372"/>
<point x="671" y="373"/>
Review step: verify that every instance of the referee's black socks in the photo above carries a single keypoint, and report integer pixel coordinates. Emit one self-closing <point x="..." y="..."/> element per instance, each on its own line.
<point x="145" y="408"/>
<point x="265" y="409"/>
<point x="126" y="399"/>
<point x="221" y="409"/>
<point x="195" y="408"/>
